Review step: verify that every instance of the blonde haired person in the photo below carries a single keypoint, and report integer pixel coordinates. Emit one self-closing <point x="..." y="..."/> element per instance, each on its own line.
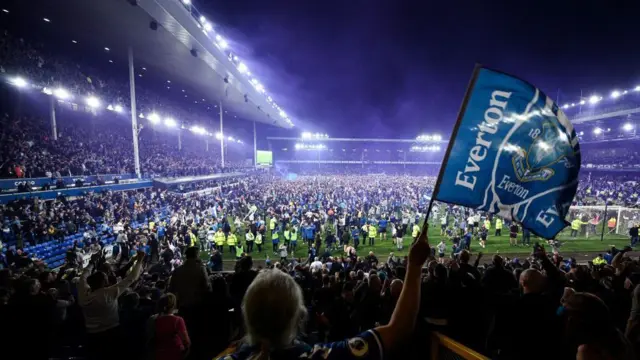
<point x="274" y="311"/>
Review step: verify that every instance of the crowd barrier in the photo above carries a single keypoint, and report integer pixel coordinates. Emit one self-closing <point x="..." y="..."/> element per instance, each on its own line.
<point x="445" y="348"/>
<point x="11" y="184"/>
<point x="52" y="194"/>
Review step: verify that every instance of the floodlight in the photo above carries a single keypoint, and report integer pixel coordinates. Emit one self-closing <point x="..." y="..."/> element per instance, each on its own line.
<point x="119" y="109"/>
<point x="223" y="43"/>
<point x="198" y="130"/>
<point x="565" y="106"/>
<point x="615" y="94"/>
<point x="208" y="27"/>
<point x="47" y="91"/>
<point x="637" y="88"/>
<point x="218" y="136"/>
<point x="582" y="102"/>
<point x="46" y="19"/>
<point x="231" y="138"/>
<point x="61" y="93"/>
<point x="170" y="122"/>
<point x="186" y="2"/>
<point x="283" y="114"/>
<point x="203" y="19"/>
<point x="242" y="68"/>
<point x="19" y="82"/>
<point x="154" y="118"/>
<point x="93" y="101"/>
<point x="594" y="99"/>
<point x="627" y="127"/>
<point x="106" y="48"/>
<point x="597" y="131"/>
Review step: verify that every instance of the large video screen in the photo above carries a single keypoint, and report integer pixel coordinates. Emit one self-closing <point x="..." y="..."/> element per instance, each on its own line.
<point x="264" y="158"/>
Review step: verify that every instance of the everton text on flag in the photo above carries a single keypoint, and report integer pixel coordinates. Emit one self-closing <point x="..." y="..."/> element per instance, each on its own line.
<point x="513" y="152"/>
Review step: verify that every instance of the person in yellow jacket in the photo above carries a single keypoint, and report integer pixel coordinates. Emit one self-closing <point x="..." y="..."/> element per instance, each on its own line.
<point x="373" y="232"/>
<point x="232" y="240"/>
<point x="287" y="236"/>
<point x="193" y="238"/>
<point x="415" y="231"/>
<point x="218" y="239"/>
<point x="599" y="260"/>
<point x="611" y="224"/>
<point x="575" y="226"/>
<point x="249" y="239"/>
<point x="487" y="224"/>
<point x="259" y="241"/>
<point x="272" y="224"/>
<point x="498" y="227"/>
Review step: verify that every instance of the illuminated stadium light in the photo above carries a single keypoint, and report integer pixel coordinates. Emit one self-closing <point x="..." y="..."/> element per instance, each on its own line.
<point x="306" y="135"/>
<point x="141" y="116"/>
<point x="426" y="148"/>
<point x="119" y="109"/>
<point x="239" y="141"/>
<point x="429" y="138"/>
<point x="19" y="82"/>
<point x="208" y="27"/>
<point x="61" y="93"/>
<point x="106" y="48"/>
<point x="283" y="114"/>
<point x="565" y="106"/>
<point x="46" y="19"/>
<point x="582" y="102"/>
<point x="300" y="146"/>
<point x="5" y="11"/>
<point x="581" y="133"/>
<point x="615" y="94"/>
<point x="597" y="131"/>
<point x="169" y="122"/>
<point x="198" y="130"/>
<point x="219" y="135"/>
<point x="222" y="42"/>
<point x="637" y="88"/>
<point x="260" y="88"/>
<point x="47" y="91"/>
<point x="110" y="107"/>
<point x="627" y="127"/>
<point x="154" y="118"/>
<point x="608" y="129"/>
<point x="186" y="2"/>
<point x="594" y="99"/>
<point x="93" y="101"/>
<point x="230" y="138"/>
<point x="242" y="68"/>
<point x="203" y="19"/>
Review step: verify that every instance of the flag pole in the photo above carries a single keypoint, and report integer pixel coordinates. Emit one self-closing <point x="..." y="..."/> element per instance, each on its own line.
<point x="447" y="153"/>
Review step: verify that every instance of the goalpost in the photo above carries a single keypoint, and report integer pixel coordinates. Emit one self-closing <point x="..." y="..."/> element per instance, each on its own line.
<point x="593" y="218"/>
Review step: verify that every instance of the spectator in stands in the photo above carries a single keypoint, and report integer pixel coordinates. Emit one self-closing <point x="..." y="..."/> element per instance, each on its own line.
<point x="273" y="310"/>
<point x="167" y="333"/>
<point x="99" y="302"/>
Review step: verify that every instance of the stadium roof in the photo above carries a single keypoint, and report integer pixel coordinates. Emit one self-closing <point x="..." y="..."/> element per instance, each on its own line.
<point x="117" y="24"/>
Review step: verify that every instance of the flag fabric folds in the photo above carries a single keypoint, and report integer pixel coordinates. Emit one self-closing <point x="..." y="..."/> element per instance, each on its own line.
<point x="512" y="152"/>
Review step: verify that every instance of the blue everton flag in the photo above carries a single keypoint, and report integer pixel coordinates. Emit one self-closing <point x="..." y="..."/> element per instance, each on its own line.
<point x="513" y="152"/>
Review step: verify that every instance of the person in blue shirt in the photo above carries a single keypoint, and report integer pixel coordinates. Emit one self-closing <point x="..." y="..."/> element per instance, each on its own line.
<point x="382" y="228"/>
<point x="309" y="233"/>
<point x="355" y="235"/>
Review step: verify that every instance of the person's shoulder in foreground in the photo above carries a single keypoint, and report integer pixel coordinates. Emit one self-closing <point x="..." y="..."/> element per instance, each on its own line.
<point x="366" y="345"/>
